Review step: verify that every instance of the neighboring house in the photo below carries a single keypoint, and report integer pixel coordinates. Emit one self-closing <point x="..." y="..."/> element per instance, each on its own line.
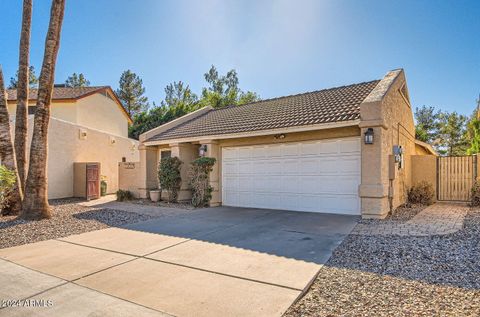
<point x="87" y="124"/>
<point x="305" y="152"/>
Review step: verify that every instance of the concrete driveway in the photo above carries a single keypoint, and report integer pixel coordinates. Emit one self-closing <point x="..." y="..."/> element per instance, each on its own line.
<point x="220" y="261"/>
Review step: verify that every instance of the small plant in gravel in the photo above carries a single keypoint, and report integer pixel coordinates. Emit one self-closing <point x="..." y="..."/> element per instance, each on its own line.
<point x="421" y="193"/>
<point x="169" y="176"/>
<point x="124" y="195"/>
<point x="200" y="181"/>
<point x="475" y="201"/>
<point x="7" y="184"/>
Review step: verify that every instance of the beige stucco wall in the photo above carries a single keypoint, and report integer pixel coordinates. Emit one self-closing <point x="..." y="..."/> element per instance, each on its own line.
<point x="420" y="150"/>
<point x="129" y="176"/>
<point x="66" y="111"/>
<point x="424" y="168"/>
<point x="390" y="115"/>
<point x="95" y="111"/>
<point x="102" y="113"/>
<point x="66" y="146"/>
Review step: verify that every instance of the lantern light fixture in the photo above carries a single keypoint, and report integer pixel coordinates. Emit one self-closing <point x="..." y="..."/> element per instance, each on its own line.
<point x="369" y="136"/>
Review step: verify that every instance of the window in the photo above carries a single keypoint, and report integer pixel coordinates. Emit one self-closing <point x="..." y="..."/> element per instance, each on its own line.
<point x="31" y="110"/>
<point x="165" y="154"/>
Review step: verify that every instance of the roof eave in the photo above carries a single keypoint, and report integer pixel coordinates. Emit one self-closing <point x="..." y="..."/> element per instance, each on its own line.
<point x="305" y="128"/>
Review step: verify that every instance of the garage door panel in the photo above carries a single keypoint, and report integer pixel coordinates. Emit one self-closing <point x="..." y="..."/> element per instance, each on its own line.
<point x="310" y="148"/>
<point x="318" y="176"/>
<point x="274" y="166"/>
<point x="328" y="147"/>
<point x="309" y="165"/>
<point x="244" y="168"/>
<point x="349" y="146"/>
<point x="274" y="151"/>
<point x="289" y="184"/>
<point x="290" y="167"/>
<point x="350" y="165"/>
<point x="289" y="149"/>
<point x="328" y="165"/>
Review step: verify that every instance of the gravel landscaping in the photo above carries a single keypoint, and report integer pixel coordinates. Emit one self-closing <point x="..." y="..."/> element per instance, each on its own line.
<point x="148" y="202"/>
<point x="400" y="276"/>
<point x="68" y="218"/>
<point x="405" y="212"/>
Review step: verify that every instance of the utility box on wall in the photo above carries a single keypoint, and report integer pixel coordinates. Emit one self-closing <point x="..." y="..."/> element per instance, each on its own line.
<point x="86" y="180"/>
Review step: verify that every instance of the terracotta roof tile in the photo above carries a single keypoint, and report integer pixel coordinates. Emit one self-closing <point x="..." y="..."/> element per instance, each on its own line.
<point x="58" y="92"/>
<point x="323" y="106"/>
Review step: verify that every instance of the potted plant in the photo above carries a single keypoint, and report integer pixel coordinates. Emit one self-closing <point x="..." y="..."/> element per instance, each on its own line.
<point x="103" y="185"/>
<point x="155" y="195"/>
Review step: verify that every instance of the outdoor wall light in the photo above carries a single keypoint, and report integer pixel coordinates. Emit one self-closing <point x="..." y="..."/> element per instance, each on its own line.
<point x="369" y="136"/>
<point x="202" y="150"/>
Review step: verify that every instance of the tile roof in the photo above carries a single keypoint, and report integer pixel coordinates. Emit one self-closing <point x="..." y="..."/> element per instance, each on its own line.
<point x="322" y="106"/>
<point x="59" y="92"/>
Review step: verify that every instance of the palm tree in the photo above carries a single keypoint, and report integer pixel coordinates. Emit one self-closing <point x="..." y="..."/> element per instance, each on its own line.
<point x="7" y="154"/>
<point x="21" y="118"/>
<point x="35" y="204"/>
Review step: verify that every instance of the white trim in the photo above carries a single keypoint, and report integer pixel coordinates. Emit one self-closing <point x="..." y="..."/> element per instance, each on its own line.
<point x="312" y="127"/>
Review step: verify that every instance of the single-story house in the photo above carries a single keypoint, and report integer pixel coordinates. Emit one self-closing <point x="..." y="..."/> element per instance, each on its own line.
<point x="87" y="124"/>
<point x="343" y="150"/>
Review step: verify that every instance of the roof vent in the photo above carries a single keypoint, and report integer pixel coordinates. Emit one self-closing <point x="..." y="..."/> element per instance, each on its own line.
<point x="60" y="85"/>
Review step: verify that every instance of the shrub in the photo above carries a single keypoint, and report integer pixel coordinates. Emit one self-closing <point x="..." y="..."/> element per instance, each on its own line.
<point x="103" y="185"/>
<point x="475" y="201"/>
<point x="123" y="195"/>
<point x="199" y="181"/>
<point x="421" y="193"/>
<point x="169" y="176"/>
<point x="7" y="185"/>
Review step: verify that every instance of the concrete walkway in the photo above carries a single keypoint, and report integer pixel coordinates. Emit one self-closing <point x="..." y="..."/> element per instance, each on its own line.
<point x="438" y="219"/>
<point x="211" y="262"/>
<point x="110" y="202"/>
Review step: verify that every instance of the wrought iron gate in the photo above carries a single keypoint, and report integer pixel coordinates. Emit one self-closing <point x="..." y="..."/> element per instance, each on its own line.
<point x="455" y="177"/>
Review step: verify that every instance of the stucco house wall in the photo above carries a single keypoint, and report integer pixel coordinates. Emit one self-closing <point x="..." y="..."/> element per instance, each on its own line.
<point x="96" y="111"/>
<point x="63" y="110"/>
<point x="66" y="147"/>
<point x="387" y="110"/>
<point x="100" y="112"/>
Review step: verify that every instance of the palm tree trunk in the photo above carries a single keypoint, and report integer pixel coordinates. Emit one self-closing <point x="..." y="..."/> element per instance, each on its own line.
<point x="35" y="205"/>
<point x="7" y="154"/>
<point x="21" y="118"/>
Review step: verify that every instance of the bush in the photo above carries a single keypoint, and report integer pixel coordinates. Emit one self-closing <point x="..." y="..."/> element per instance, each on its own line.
<point x="475" y="200"/>
<point x="7" y="185"/>
<point x="421" y="193"/>
<point x="169" y="176"/>
<point x="199" y="181"/>
<point x="123" y="195"/>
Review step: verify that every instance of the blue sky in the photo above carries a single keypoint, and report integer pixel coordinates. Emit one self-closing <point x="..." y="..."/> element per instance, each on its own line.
<point x="277" y="47"/>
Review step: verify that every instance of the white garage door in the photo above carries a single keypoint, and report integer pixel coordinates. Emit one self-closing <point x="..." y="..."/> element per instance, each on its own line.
<point x="318" y="176"/>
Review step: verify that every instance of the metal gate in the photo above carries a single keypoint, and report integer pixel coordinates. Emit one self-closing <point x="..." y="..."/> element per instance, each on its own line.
<point x="455" y="177"/>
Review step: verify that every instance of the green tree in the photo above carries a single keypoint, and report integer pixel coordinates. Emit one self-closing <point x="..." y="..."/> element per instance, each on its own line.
<point x="427" y="124"/>
<point x="473" y="131"/>
<point x="223" y="91"/>
<point x="32" y="79"/>
<point x="179" y="100"/>
<point x="452" y="134"/>
<point x="131" y="93"/>
<point x="77" y="81"/>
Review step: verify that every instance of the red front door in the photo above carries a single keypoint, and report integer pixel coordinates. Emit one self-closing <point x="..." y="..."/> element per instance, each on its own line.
<point x="93" y="181"/>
